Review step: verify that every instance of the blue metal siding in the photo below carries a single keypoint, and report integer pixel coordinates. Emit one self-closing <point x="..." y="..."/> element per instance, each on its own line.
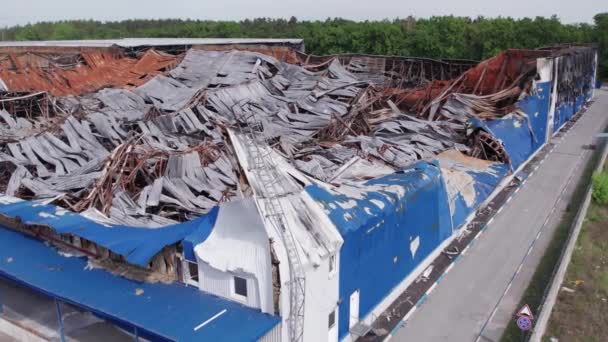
<point x="565" y="111"/>
<point x="484" y="184"/>
<point x="523" y="136"/>
<point x="537" y="106"/>
<point x="516" y="137"/>
<point x="373" y="241"/>
<point x="200" y="234"/>
<point x="376" y="255"/>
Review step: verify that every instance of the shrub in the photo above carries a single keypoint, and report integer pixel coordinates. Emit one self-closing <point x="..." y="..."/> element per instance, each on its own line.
<point x="600" y="187"/>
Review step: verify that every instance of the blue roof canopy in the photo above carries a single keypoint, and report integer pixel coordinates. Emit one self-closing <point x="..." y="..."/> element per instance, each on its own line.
<point x="162" y="311"/>
<point x="137" y="244"/>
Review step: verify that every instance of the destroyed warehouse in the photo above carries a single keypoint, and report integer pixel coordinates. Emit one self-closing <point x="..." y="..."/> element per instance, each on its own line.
<point x="243" y="183"/>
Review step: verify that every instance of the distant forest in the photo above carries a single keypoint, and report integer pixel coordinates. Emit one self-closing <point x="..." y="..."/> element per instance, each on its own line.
<point x="435" y="37"/>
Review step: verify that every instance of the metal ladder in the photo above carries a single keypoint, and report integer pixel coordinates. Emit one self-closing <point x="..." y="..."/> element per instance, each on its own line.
<point x="265" y="169"/>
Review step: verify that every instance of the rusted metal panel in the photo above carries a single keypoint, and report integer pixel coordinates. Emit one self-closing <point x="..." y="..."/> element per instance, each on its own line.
<point x="499" y="80"/>
<point x="90" y="70"/>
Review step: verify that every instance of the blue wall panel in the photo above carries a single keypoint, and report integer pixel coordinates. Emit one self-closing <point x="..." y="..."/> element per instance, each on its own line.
<point x="484" y="183"/>
<point x="537" y="106"/>
<point x="516" y="136"/>
<point x="379" y="228"/>
<point x="378" y="231"/>
<point x="522" y="136"/>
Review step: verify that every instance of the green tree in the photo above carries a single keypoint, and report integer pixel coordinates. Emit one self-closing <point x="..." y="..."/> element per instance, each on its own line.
<point x="434" y="37"/>
<point x="601" y="37"/>
<point x="66" y="31"/>
<point x="28" y="32"/>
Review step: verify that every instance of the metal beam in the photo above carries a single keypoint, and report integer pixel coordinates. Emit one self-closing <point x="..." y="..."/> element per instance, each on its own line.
<point x="59" y="320"/>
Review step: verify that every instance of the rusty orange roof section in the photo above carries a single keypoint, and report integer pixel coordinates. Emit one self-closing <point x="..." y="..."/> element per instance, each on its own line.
<point x="83" y="72"/>
<point x="501" y="73"/>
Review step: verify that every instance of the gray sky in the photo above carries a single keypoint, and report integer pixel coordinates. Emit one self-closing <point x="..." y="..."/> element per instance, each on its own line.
<point x="29" y="11"/>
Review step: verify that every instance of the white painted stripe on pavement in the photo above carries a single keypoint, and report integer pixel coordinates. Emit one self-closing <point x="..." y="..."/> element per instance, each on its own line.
<point x="519" y="268"/>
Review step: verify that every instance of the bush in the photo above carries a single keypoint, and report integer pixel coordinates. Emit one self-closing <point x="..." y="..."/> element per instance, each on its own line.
<point x="600" y="187"/>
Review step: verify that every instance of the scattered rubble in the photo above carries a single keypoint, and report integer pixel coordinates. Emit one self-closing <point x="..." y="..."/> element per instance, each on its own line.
<point x="158" y="153"/>
<point x="148" y="145"/>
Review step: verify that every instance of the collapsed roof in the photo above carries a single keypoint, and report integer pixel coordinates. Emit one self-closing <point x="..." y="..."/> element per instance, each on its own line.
<point x="158" y="153"/>
<point x="141" y="137"/>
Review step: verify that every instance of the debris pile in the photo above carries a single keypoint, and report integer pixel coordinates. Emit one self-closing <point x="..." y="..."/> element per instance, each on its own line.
<point x="488" y="90"/>
<point x="144" y="141"/>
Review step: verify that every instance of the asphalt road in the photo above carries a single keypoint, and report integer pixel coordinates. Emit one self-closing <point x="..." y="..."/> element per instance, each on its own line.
<point x="476" y="299"/>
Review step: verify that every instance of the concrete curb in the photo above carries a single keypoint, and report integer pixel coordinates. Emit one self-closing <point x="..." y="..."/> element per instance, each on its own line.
<point x="547" y="307"/>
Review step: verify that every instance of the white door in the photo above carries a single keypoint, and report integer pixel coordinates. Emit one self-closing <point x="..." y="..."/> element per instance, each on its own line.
<point x="354" y="309"/>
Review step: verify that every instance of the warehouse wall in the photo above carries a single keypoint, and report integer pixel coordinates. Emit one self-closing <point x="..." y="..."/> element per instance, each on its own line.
<point x="383" y="246"/>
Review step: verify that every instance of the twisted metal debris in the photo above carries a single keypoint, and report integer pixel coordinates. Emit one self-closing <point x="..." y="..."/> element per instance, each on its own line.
<point x="150" y="148"/>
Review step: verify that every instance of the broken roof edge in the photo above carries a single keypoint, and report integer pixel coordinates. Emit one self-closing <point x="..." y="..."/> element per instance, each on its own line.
<point x="353" y="206"/>
<point x="315" y="234"/>
<point x="137" y="244"/>
<point x="151" y="42"/>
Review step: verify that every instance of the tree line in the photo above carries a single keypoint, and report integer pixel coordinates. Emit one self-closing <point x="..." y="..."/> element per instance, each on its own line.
<point x="434" y="37"/>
